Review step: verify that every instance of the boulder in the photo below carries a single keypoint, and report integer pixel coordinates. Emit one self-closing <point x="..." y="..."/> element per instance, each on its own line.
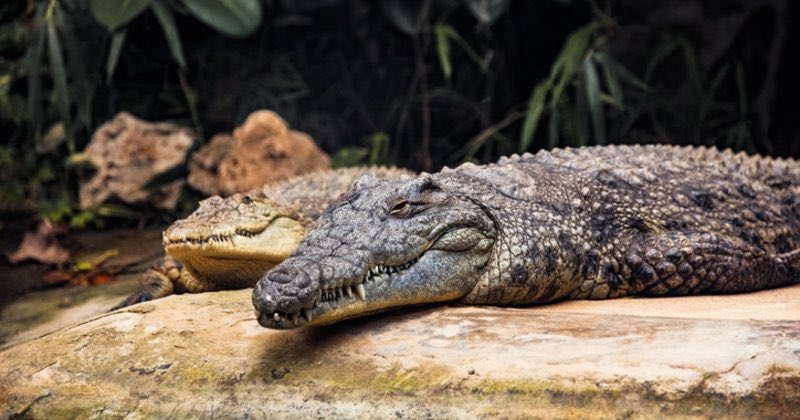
<point x="266" y="151"/>
<point x="204" y="164"/>
<point x="262" y="151"/>
<point x="204" y="355"/>
<point x="128" y="154"/>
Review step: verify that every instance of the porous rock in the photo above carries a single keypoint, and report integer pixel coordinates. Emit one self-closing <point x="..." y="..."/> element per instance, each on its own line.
<point x="129" y="153"/>
<point x="266" y="151"/>
<point x="204" y="164"/>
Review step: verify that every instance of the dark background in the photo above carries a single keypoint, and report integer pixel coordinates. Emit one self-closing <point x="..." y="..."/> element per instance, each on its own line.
<point x="366" y="79"/>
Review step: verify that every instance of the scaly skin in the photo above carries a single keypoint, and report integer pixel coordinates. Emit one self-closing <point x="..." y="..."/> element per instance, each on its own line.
<point x="228" y="243"/>
<point x="592" y="223"/>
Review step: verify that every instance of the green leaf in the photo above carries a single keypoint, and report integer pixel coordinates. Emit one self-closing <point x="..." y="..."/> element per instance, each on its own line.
<point x="33" y="63"/>
<point x="692" y="67"/>
<point x="486" y="11"/>
<point x="579" y="125"/>
<point x="379" y="147"/>
<point x="116" y="210"/>
<point x="59" y="75"/>
<point x="349" y="156"/>
<point x="661" y="52"/>
<point x="612" y="81"/>
<point x="116" y="13"/>
<point x="52" y="138"/>
<point x="553" y="131"/>
<point x="81" y="85"/>
<point x="445" y="33"/>
<point x="79" y="221"/>
<point x="191" y="100"/>
<point x="167" y="22"/>
<point x="535" y="109"/>
<point x="443" y="49"/>
<point x="570" y="58"/>
<point x="114" y="50"/>
<point x="626" y="76"/>
<point x="610" y="100"/>
<point x="708" y="98"/>
<point x="237" y="18"/>
<point x="402" y="14"/>
<point x="593" y="100"/>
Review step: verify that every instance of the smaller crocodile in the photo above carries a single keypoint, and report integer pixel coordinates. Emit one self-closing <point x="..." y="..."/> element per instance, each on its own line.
<point x="228" y="243"/>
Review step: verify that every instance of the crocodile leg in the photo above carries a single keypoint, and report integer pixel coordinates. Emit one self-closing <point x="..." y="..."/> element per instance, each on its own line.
<point x="163" y="278"/>
<point x="682" y="264"/>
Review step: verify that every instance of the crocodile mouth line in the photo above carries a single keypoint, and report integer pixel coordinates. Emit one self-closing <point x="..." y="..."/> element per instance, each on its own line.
<point x="333" y="297"/>
<point x="217" y="238"/>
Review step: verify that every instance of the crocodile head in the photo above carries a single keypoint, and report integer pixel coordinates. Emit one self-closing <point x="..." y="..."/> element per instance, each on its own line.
<point x="384" y="245"/>
<point x="235" y="238"/>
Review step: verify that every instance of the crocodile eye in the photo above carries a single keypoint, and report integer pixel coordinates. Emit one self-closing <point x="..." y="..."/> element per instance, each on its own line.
<point x="401" y="208"/>
<point x="247" y="200"/>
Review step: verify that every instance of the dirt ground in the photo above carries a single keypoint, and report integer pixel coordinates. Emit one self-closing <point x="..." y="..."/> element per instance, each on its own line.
<point x="104" y="264"/>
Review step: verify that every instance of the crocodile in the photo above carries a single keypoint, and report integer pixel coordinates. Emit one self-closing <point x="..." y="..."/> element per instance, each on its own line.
<point x="587" y="223"/>
<point x="228" y="243"/>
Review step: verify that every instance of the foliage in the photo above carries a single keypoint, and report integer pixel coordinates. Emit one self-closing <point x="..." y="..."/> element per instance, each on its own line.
<point x="417" y="83"/>
<point x="582" y="59"/>
<point x="62" y="75"/>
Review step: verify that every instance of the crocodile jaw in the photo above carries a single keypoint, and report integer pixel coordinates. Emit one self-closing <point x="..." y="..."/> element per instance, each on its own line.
<point x="272" y="242"/>
<point x="417" y="281"/>
<point x="433" y="243"/>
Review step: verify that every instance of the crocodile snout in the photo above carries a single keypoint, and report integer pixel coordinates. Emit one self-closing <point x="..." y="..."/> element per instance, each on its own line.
<point x="284" y="290"/>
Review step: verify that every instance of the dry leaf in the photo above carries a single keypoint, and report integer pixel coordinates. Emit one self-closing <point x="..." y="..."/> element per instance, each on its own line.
<point x="41" y="244"/>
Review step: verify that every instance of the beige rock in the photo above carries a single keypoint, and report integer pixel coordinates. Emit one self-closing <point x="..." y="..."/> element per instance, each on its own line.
<point x="204" y="355"/>
<point x="129" y="153"/>
<point x="204" y="164"/>
<point x="265" y="151"/>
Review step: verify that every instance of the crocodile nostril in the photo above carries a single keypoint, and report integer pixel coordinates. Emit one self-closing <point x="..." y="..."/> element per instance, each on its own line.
<point x="282" y="275"/>
<point x="302" y="280"/>
<point x="284" y="289"/>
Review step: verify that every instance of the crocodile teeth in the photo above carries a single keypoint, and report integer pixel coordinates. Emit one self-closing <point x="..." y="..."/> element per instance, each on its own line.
<point x="276" y="317"/>
<point x="307" y="314"/>
<point x="360" y="292"/>
<point x="349" y="291"/>
<point x="295" y="317"/>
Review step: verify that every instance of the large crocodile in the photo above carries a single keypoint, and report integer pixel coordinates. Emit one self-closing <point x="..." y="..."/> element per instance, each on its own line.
<point x="598" y="222"/>
<point x="228" y="243"/>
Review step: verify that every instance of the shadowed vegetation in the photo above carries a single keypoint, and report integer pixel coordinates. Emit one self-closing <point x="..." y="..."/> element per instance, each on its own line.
<point x="419" y="84"/>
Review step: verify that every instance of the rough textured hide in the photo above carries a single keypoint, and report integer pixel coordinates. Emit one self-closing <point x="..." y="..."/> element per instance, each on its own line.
<point x="596" y="223"/>
<point x="228" y="243"/>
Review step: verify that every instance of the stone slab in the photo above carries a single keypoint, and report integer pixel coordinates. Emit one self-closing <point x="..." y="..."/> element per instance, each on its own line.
<point x="205" y="356"/>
